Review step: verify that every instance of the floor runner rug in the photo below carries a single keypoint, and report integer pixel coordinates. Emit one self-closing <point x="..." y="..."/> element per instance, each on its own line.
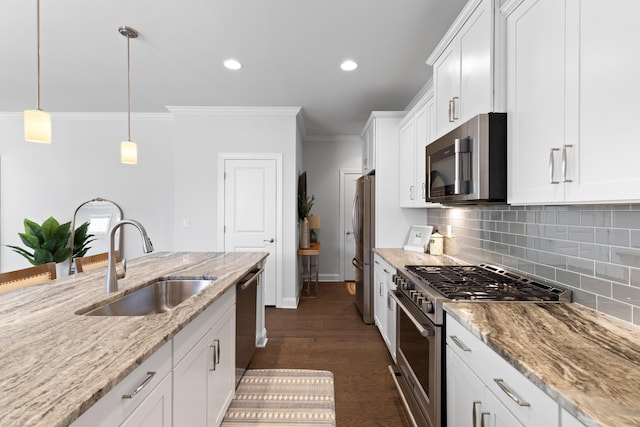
<point x="283" y="397"/>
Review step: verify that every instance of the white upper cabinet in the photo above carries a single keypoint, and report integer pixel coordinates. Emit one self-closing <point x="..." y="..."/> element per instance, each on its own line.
<point x="416" y="131"/>
<point x="572" y="86"/>
<point x="467" y="66"/>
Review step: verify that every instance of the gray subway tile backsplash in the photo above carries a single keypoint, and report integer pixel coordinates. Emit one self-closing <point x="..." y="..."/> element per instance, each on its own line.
<point x="592" y="250"/>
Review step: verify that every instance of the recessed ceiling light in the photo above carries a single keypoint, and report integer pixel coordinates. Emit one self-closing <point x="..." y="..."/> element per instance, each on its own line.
<point x="232" y="64"/>
<point x="349" y="65"/>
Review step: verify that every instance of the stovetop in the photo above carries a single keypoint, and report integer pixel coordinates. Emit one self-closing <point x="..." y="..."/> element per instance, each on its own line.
<point x="428" y="287"/>
<point x="482" y="282"/>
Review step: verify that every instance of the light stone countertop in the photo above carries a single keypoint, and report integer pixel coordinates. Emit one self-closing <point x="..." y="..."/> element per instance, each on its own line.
<point x="55" y="364"/>
<point x="586" y="361"/>
<point x="399" y="258"/>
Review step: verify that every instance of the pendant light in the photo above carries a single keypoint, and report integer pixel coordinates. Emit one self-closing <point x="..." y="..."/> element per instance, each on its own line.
<point x="128" y="148"/>
<point x="37" y="123"/>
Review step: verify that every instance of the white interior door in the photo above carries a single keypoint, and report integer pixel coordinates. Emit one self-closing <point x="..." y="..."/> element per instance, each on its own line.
<point x="250" y="213"/>
<point x="348" y="190"/>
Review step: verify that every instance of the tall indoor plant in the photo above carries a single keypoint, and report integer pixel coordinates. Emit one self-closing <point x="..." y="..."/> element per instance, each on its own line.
<point x="305" y="204"/>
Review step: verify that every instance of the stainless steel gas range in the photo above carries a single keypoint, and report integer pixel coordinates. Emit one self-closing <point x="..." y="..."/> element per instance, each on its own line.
<point x="421" y="291"/>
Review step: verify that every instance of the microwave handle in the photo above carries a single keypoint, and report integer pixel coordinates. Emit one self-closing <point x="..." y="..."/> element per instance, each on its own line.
<point x="462" y="166"/>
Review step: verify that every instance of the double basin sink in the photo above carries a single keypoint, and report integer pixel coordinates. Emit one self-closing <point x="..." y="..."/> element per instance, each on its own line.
<point x="159" y="296"/>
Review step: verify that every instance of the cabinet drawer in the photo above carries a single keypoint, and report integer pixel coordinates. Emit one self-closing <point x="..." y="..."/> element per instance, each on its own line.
<point x="505" y="382"/>
<point x="113" y="408"/>
<point x="187" y="338"/>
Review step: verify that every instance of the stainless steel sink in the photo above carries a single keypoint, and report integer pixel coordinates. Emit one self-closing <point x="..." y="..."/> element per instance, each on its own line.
<point x="159" y="296"/>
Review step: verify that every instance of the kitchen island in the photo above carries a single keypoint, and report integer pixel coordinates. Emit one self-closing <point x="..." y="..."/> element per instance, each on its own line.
<point x="56" y="363"/>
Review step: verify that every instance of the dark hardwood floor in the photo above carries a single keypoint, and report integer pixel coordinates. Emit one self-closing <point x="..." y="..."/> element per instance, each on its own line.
<point x="327" y="333"/>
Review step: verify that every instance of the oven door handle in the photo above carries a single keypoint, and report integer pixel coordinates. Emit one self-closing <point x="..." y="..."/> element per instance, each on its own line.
<point x="423" y="331"/>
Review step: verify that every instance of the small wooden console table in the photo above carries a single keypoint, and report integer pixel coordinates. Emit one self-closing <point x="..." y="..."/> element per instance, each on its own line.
<point x="308" y="265"/>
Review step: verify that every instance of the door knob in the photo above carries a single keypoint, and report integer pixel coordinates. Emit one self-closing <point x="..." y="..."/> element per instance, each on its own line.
<point x="271" y="240"/>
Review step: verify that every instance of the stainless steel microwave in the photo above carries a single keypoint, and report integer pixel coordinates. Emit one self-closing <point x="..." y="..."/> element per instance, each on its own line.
<point x="469" y="164"/>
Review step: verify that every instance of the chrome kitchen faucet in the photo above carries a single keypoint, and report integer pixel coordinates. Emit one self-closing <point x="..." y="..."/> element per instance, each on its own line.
<point x="147" y="247"/>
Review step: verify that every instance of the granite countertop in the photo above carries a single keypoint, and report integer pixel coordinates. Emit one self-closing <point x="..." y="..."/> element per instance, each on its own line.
<point x="587" y="361"/>
<point x="399" y="258"/>
<point x="56" y="364"/>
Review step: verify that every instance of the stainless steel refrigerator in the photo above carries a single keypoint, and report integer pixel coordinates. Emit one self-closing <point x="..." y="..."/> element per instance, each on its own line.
<point x="363" y="218"/>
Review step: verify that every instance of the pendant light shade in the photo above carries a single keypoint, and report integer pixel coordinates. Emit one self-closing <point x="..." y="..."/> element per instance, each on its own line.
<point x="37" y="126"/>
<point x="128" y="149"/>
<point x="128" y="153"/>
<point x="37" y="123"/>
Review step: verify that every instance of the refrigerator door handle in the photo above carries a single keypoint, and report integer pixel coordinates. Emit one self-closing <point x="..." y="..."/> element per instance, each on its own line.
<point x="357" y="264"/>
<point x="354" y="217"/>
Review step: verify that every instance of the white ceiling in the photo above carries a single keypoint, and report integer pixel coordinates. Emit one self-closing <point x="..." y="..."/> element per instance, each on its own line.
<point x="290" y="51"/>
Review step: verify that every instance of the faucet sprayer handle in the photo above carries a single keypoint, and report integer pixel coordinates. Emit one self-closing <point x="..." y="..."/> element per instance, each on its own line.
<point x="122" y="271"/>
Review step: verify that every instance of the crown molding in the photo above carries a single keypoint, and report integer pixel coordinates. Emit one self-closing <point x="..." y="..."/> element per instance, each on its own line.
<point x="332" y="139"/>
<point x="235" y="111"/>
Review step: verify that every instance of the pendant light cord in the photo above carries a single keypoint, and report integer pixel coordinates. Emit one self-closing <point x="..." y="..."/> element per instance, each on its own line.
<point x="38" y="52"/>
<point x="128" y="85"/>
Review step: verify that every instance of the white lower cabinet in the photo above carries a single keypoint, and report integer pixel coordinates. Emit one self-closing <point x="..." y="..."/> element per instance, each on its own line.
<point x="483" y="385"/>
<point x="189" y="381"/>
<point x="384" y="308"/>
<point x="155" y="410"/>
<point x="204" y="366"/>
<point x="130" y="401"/>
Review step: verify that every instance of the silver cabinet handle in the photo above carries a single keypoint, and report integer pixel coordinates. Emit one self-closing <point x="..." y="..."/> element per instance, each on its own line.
<point x="142" y="385"/>
<point x="385" y="270"/>
<point x="473" y="413"/>
<point x="424" y="195"/>
<point x="552" y="166"/>
<point x="564" y="162"/>
<point x="411" y="192"/>
<point x="454" y="108"/>
<point x="459" y="343"/>
<point x="450" y="110"/>
<point x="512" y="395"/>
<point x="271" y="240"/>
<point x="482" y="424"/>
<point x="215" y="357"/>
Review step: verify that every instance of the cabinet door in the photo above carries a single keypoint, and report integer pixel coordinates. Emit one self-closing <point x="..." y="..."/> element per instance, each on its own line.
<point x="190" y="384"/>
<point x="535" y="100"/>
<point x="421" y="141"/>
<point x="379" y="299"/>
<point x="498" y="414"/>
<point x="221" y="377"/>
<point x="366" y="144"/>
<point x="407" y="188"/>
<point x="605" y="167"/>
<point x="204" y="380"/>
<point x="155" y="409"/>
<point x="465" y="393"/>
<point x="446" y="72"/>
<point x="476" y="65"/>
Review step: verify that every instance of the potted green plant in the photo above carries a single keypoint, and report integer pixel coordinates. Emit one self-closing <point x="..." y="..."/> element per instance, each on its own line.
<point x="305" y="204"/>
<point x="49" y="241"/>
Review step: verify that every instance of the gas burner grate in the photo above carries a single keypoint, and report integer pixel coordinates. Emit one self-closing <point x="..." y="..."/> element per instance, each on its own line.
<point x="482" y="282"/>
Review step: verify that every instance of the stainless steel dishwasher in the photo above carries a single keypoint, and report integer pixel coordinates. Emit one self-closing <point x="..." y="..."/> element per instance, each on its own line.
<point x="246" y="299"/>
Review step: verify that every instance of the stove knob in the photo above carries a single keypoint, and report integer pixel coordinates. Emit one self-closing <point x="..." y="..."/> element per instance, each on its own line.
<point x="408" y="285"/>
<point x="428" y="306"/>
<point x="420" y="300"/>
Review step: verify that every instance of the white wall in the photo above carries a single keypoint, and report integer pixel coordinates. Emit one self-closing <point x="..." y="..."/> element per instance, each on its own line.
<point x="323" y="159"/>
<point x="203" y="133"/>
<point x="42" y="180"/>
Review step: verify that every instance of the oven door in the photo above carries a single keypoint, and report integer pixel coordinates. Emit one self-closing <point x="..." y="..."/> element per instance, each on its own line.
<point x="418" y="372"/>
